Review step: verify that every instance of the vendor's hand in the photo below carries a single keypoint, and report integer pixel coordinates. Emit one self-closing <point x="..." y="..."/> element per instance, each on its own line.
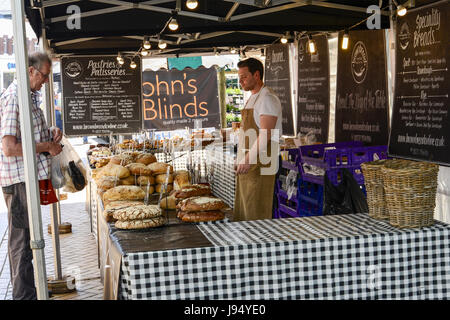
<point x="243" y="168"/>
<point x="54" y="148"/>
<point x="57" y="134"/>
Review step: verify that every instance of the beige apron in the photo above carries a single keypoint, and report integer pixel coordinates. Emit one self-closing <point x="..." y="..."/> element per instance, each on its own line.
<point x="254" y="192"/>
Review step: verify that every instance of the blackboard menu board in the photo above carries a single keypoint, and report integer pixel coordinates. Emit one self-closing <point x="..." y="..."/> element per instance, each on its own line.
<point x="313" y="89"/>
<point x="100" y="96"/>
<point x="361" y="89"/>
<point x="421" y="123"/>
<point x="277" y="78"/>
<point x="173" y="99"/>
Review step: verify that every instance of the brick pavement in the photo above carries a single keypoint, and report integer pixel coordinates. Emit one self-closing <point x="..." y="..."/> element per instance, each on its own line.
<point x="78" y="249"/>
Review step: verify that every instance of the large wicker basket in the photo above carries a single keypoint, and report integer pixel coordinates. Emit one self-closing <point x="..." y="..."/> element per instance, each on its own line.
<point x="410" y="191"/>
<point x="373" y="180"/>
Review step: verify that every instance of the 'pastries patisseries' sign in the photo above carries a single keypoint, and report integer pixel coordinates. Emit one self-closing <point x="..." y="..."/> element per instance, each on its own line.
<point x="174" y="99"/>
<point x="100" y="96"/>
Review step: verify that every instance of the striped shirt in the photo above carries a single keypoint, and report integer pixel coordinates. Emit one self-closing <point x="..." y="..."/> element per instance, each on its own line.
<point x="12" y="168"/>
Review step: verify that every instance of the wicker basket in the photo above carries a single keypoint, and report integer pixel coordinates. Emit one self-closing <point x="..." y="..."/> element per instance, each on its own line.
<point x="410" y="191"/>
<point x="373" y="180"/>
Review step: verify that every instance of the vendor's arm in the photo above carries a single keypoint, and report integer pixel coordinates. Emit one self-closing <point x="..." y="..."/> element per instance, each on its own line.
<point x="12" y="148"/>
<point x="267" y="123"/>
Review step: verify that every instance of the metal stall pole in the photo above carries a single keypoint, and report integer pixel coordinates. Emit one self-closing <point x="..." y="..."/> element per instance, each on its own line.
<point x="37" y="242"/>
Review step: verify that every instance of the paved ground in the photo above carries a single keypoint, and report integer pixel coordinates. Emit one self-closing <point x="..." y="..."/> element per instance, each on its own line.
<point x="78" y="249"/>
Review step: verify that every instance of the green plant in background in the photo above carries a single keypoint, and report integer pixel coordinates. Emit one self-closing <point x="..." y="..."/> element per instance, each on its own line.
<point x="230" y="117"/>
<point x="237" y="118"/>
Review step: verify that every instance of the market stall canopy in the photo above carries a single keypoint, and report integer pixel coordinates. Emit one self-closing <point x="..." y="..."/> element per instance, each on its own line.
<point x="109" y="26"/>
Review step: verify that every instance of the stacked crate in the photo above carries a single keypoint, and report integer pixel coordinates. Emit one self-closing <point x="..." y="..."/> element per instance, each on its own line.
<point x="314" y="161"/>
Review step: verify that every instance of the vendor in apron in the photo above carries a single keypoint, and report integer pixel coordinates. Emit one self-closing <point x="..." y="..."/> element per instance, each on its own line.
<point x="258" y="148"/>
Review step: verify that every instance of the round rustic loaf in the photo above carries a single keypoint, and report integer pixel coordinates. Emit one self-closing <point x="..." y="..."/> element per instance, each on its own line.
<point x="159" y="187"/>
<point x="107" y="182"/>
<point x="201" y="216"/>
<point x="161" y="178"/>
<point x="140" y="224"/>
<point x="160" y="168"/>
<point x="144" y="180"/>
<point x="124" y="193"/>
<point x="193" y="191"/>
<point x="146" y="158"/>
<point x="128" y="181"/>
<point x="181" y="179"/>
<point x="202" y="203"/>
<point x="115" y="170"/>
<point x="137" y="212"/>
<point x="116" y="205"/>
<point x="139" y="169"/>
<point x="121" y="159"/>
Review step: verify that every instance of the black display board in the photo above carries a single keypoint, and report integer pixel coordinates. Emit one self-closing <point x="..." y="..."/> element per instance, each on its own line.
<point x="173" y="99"/>
<point x="277" y="77"/>
<point x="361" y="89"/>
<point x="100" y="96"/>
<point x="314" y="89"/>
<point x="421" y="123"/>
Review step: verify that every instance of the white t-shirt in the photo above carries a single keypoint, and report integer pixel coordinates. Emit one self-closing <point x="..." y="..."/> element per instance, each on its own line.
<point x="265" y="102"/>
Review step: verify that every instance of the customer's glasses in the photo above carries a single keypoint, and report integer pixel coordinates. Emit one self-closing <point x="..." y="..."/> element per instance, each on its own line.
<point x="45" y="76"/>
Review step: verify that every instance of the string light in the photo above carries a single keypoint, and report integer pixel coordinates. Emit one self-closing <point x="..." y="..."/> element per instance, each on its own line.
<point x="147" y="45"/>
<point x="233" y="51"/>
<point x="144" y="52"/>
<point x="173" y="24"/>
<point x="345" y="40"/>
<point x="191" y="4"/>
<point x="401" y="9"/>
<point x="311" y="45"/>
<point x="120" y="59"/>
<point x="162" y="44"/>
<point x="133" y="64"/>
<point x="283" y="40"/>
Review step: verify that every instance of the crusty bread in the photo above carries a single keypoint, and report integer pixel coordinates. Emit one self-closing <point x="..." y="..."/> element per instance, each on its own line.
<point x="151" y="189"/>
<point x="122" y="159"/>
<point x="144" y="180"/>
<point x="128" y="181"/>
<point x="140" y="224"/>
<point x="159" y="187"/>
<point x="193" y="191"/>
<point x="169" y="202"/>
<point x="137" y="212"/>
<point x="124" y="193"/>
<point x="202" y="203"/>
<point x="107" y="182"/>
<point x="181" y="179"/>
<point x="139" y="169"/>
<point x="160" y="168"/>
<point x="201" y="216"/>
<point x="115" y="170"/>
<point x="161" y="178"/>
<point x="145" y="158"/>
<point x="108" y="212"/>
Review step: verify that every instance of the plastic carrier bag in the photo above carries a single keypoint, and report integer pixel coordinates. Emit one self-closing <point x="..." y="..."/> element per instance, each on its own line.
<point x="347" y="197"/>
<point x="72" y="168"/>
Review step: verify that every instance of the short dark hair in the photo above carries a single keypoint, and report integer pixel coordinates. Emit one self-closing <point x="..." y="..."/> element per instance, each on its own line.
<point x="37" y="59"/>
<point x="253" y="65"/>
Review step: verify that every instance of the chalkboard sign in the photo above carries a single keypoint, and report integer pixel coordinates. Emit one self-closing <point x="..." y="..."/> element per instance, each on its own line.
<point x="313" y="89"/>
<point x="277" y="78"/>
<point x="100" y="96"/>
<point x="173" y="99"/>
<point x="361" y="89"/>
<point x="421" y="123"/>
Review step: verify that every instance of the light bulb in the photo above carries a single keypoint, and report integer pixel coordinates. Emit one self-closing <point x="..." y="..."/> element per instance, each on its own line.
<point x="233" y="51"/>
<point x="144" y="52"/>
<point x="401" y="10"/>
<point x="119" y="57"/>
<point x="284" y="40"/>
<point x="120" y="60"/>
<point x="147" y="45"/>
<point x="345" y="41"/>
<point x="191" y="4"/>
<point x="173" y="24"/>
<point x="312" y="46"/>
<point x="162" y="44"/>
<point x="133" y="64"/>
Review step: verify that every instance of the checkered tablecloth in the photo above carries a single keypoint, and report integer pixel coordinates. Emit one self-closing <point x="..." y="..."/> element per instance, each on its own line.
<point x="330" y="257"/>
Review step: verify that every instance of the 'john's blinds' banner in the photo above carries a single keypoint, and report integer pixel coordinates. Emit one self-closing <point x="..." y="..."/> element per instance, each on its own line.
<point x="313" y="89"/>
<point x="361" y="89"/>
<point x="100" y="96"/>
<point x="421" y="123"/>
<point x="277" y="78"/>
<point x="174" y="99"/>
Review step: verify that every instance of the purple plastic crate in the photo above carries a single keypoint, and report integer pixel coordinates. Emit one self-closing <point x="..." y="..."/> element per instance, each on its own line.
<point x="367" y="154"/>
<point x="328" y="155"/>
<point x="285" y="210"/>
<point x="293" y="163"/>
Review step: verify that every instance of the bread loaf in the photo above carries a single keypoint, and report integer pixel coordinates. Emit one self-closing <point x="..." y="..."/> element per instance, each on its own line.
<point x="139" y="169"/>
<point x="201" y="204"/>
<point x="193" y="191"/>
<point x="107" y="182"/>
<point x="181" y="179"/>
<point x="122" y="159"/>
<point x="169" y="202"/>
<point x="124" y="193"/>
<point x="160" y="168"/>
<point x="144" y="180"/>
<point x="201" y="216"/>
<point x="137" y="212"/>
<point x="151" y="189"/>
<point x="111" y="207"/>
<point x="115" y="170"/>
<point x="159" y="187"/>
<point x="161" y="178"/>
<point x="145" y="158"/>
<point x="128" y="181"/>
<point x="140" y="224"/>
